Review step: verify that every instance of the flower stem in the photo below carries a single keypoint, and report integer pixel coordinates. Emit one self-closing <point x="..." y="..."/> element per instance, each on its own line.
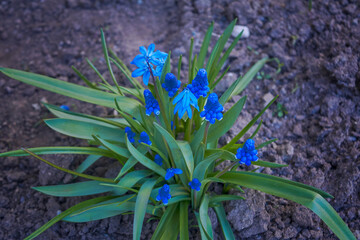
<point x="226" y="169"/>
<point x="189" y="127"/>
<point x="206" y="133"/>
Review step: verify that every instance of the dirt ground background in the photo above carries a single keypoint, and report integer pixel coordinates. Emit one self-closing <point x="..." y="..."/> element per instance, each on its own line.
<point x="319" y="87"/>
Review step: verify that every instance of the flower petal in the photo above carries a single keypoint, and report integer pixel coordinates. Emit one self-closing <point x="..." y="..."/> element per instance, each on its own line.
<point x="151" y="49"/>
<point x="138" y="72"/>
<point x="146" y="77"/>
<point x="143" y="50"/>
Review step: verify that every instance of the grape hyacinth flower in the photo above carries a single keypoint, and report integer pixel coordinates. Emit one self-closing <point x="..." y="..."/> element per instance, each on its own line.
<point x="170" y="172"/>
<point x="65" y="107"/>
<point x="195" y="184"/>
<point x="145" y="61"/>
<point x="199" y="86"/>
<point x="213" y="109"/>
<point x="247" y="153"/>
<point x="183" y="102"/>
<point x="144" y="137"/>
<point x="158" y="160"/>
<point x="130" y="134"/>
<point x="152" y="105"/>
<point x="164" y="194"/>
<point x="171" y="84"/>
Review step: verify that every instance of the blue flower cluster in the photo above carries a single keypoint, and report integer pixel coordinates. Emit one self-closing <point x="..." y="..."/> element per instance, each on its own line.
<point x="146" y="62"/>
<point x="183" y="102"/>
<point x="171" y="84"/>
<point x="170" y="172"/>
<point x="144" y="138"/>
<point x="195" y="184"/>
<point x="158" y="160"/>
<point x="199" y="86"/>
<point x="152" y="105"/>
<point x="213" y="109"/>
<point x="130" y="134"/>
<point x="164" y="194"/>
<point x="247" y="153"/>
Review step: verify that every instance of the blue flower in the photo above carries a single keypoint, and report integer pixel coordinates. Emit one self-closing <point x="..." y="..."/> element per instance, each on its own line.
<point x="144" y="137"/>
<point x="65" y="107"/>
<point x="213" y="109"/>
<point x="195" y="184"/>
<point x="158" y="160"/>
<point x="247" y="153"/>
<point x="170" y="172"/>
<point x="143" y="70"/>
<point x="199" y="86"/>
<point x="160" y="65"/>
<point x="171" y="84"/>
<point x="130" y="134"/>
<point x="152" y="105"/>
<point x="147" y="58"/>
<point x="183" y="101"/>
<point x="164" y="194"/>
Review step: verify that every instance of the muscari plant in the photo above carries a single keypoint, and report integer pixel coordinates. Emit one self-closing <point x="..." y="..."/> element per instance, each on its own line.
<point x="166" y="140"/>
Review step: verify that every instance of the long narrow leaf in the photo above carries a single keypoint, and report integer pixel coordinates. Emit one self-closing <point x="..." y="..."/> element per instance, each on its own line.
<point x="225" y="225"/>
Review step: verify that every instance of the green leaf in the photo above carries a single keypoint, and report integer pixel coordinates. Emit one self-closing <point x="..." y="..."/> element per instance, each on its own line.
<point x="201" y="168"/>
<point x="188" y="156"/>
<point x="140" y="207"/>
<point x="85" y="130"/>
<point x="191" y="63"/>
<point x="165" y="221"/>
<point x="308" y="196"/>
<point x="219" y="128"/>
<point x="225" y="225"/>
<point x="268" y="164"/>
<point x="176" y="152"/>
<point x="90" y="84"/>
<point x="61" y="113"/>
<point x="130" y="179"/>
<point x="204" y="216"/>
<point x="131" y="162"/>
<point x="199" y="136"/>
<point x="90" y="160"/>
<point x="67" y="213"/>
<point x="59" y="150"/>
<point x="129" y="105"/>
<point x="144" y="160"/>
<point x="249" y="125"/>
<point x="74" y="189"/>
<point x="114" y="148"/>
<point x="184" y="225"/>
<point x="204" y="47"/>
<point x="227" y="197"/>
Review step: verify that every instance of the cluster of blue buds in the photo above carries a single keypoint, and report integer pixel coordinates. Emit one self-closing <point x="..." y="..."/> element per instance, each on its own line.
<point x="146" y="62"/>
<point x="65" y="107"/>
<point x="144" y="138"/>
<point x="164" y="194"/>
<point x="171" y="84"/>
<point x="158" y="160"/>
<point x="199" y="86"/>
<point x="195" y="184"/>
<point x="130" y="134"/>
<point x="152" y="105"/>
<point x="183" y="102"/>
<point x="247" y="153"/>
<point x="170" y="172"/>
<point x="213" y="109"/>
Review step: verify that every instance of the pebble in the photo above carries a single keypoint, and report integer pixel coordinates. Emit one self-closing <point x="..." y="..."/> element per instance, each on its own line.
<point x="237" y="30"/>
<point x="267" y="98"/>
<point x="36" y="106"/>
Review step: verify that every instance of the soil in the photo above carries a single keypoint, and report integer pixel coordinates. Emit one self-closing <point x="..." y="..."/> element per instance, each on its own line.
<point x="318" y="86"/>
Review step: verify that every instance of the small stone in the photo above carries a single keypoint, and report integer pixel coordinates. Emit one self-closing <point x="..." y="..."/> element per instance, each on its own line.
<point x="290" y="232"/>
<point x="36" y="106"/>
<point x="238" y="29"/>
<point x="267" y="98"/>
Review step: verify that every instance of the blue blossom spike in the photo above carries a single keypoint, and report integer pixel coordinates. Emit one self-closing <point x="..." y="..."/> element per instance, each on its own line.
<point x="195" y="184"/>
<point x="213" y="109"/>
<point x="183" y="102"/>
<point x="158" y="160"/>
<point x="199" y="86"/>
<point x="152" y="105"/>
<point x="65" y="107"/>
<point x="247" y="153"/>
<point x="164" y="194"/>
<point x="130" y="134"/>
<point x="170" y="172"/>
<point x="171" y="84"/>
<point x="144" y="137"/>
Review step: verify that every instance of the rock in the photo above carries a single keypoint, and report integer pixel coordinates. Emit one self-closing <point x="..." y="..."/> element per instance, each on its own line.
<point x="303" y="217"/>
<point x="226" y="82"/>
<point x="238" y="29"/>
<point x="344" y="69"/>
<point x="267" y="98"/>
<point x="254" y="218"/>
<point x="290" y="232"/>
<point x="36" y="106"/>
